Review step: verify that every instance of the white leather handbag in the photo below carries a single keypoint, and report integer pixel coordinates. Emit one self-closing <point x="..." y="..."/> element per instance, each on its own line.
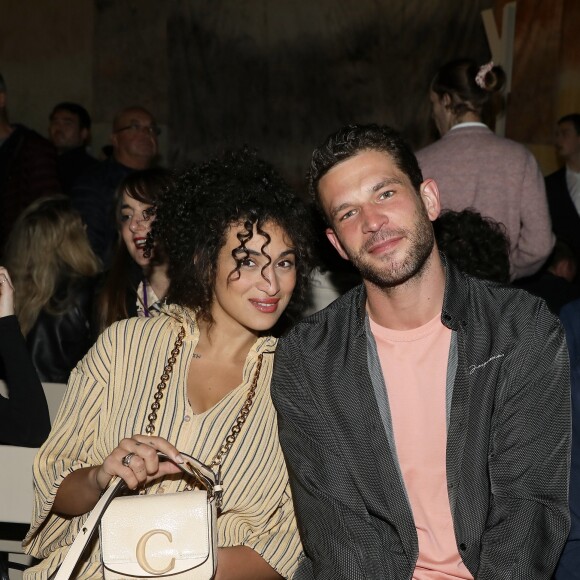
<point x="172" y="534"/>
<point x="154" y="536"/>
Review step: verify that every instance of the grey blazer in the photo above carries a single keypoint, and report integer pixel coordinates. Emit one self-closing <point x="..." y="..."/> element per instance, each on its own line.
<point x="507" y="446"/>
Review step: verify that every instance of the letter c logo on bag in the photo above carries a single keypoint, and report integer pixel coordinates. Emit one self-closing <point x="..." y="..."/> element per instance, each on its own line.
<point x="142" y="556"/>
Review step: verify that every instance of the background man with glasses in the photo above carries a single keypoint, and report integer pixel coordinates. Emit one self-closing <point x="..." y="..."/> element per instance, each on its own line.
<point x="134" y="140"/>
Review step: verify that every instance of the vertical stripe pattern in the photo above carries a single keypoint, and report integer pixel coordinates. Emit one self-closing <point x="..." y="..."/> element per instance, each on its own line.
<point x="108" y="398"/>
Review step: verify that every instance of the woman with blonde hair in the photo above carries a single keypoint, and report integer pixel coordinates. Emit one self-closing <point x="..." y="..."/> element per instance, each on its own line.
<point x="53" y="270"/>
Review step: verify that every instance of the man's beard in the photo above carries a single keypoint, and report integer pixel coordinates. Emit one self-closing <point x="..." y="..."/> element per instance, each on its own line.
<point x="390" y="273"/>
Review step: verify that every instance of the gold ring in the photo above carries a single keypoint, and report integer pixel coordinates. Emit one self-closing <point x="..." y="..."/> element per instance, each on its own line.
<point x="127" y="459"/>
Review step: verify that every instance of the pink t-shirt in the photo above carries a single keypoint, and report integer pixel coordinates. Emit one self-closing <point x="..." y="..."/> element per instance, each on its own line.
<point x="414" y="365"/>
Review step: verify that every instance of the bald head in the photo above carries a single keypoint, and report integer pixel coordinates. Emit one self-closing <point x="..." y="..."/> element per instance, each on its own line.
<point x="134" y="137"/>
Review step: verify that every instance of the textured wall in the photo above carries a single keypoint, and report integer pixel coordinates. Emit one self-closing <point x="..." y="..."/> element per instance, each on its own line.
<point x="278" y="75"/>
<point x="130" y="62"/>
<point x="281" y="75"/>
<point x="546" y="80"/>
<point x="46" y="52"/>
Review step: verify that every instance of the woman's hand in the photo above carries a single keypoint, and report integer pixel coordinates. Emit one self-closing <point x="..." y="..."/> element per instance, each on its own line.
<point x="135" y="460"/>
<point x="80" y="490"/>
<point x="6" y="293"/>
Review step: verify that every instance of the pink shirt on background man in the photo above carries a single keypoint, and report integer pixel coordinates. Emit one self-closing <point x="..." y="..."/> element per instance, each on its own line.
<point x="414" y="365"/>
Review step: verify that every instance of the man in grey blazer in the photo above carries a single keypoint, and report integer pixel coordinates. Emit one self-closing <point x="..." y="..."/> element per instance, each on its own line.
<point x="424" y="415"/>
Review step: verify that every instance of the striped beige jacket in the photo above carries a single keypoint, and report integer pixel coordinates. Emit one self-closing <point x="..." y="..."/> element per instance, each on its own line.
<point x="107" y="399"/>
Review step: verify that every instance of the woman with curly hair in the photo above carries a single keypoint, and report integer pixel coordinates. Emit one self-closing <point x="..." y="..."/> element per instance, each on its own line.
<point x="238" y="246"/>
<point x="54" y="271"/>
<point x="475" y="168"/>
<point x="137" y="283"/>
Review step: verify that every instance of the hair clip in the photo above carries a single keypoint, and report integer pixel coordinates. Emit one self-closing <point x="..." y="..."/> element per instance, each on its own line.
<point x="480" y="76"/>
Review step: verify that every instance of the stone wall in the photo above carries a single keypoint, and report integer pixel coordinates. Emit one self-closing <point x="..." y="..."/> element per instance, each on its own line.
<point x="276" y="75"/>
<point x="46" y="56"/>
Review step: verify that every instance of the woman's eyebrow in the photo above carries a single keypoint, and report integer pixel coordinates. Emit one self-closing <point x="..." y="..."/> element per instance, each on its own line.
<point x="250" y="252"/>
<point x="246" y="252"/>
<point x="287" y="252"/>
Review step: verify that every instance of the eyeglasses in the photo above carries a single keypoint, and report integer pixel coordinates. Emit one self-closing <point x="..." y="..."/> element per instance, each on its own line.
<point x="136" y="127"/>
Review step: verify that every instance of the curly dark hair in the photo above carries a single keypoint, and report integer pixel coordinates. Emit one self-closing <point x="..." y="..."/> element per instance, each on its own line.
<point x="351" y="140"/>
<point x="194" y="213"/>
<point x="478" y="245"/>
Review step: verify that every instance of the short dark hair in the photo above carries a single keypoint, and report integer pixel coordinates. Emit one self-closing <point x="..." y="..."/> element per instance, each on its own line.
<point x="573" y="118"/>
<point x="353" y="139"/>
<point x="194" y="213"/>
<point x="478" y="245"/>
<point x="75" y="109"/>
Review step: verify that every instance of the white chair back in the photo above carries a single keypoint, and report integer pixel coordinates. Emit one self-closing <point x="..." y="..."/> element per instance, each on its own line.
<point x="54" y="392"/>
<point x="16" y="483"/>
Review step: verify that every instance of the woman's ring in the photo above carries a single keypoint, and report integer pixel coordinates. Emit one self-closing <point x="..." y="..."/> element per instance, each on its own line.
<point x="127" y="459"/>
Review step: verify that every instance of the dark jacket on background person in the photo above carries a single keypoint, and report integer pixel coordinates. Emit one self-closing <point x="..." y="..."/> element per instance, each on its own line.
<point x="27" y="171"/>
<point x="555" y="290"/>
<point x="57" y="341"/>
<point x="507" y="473"/>
<point x="565" y="218"/>
<point x="71" y="165"/>
<point x="24" y="418"/>
<point x="93" y="196"/>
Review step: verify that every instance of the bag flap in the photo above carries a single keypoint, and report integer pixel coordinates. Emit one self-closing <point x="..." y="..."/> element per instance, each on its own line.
<point x="145" y="535"/>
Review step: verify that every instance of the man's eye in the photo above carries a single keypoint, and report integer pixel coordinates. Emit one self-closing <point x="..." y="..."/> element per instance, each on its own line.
<point x="247" y="263"/>
<point x="347" y="215"/>
<point x="386" y="194"/>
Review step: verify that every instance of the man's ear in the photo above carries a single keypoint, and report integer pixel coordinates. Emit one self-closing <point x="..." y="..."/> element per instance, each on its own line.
<point x="85" y="134"/>
<point x="429" y="193"/>
<point x="446" y="100"/>
<point x="333" y="239"/>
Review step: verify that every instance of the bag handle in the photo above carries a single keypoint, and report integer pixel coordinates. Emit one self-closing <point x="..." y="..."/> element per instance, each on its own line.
<point x="191" y="466"/>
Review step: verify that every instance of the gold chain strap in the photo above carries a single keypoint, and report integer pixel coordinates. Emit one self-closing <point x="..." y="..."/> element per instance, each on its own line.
<point x="150" y="429"/>
<point x="240" y="419"/>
